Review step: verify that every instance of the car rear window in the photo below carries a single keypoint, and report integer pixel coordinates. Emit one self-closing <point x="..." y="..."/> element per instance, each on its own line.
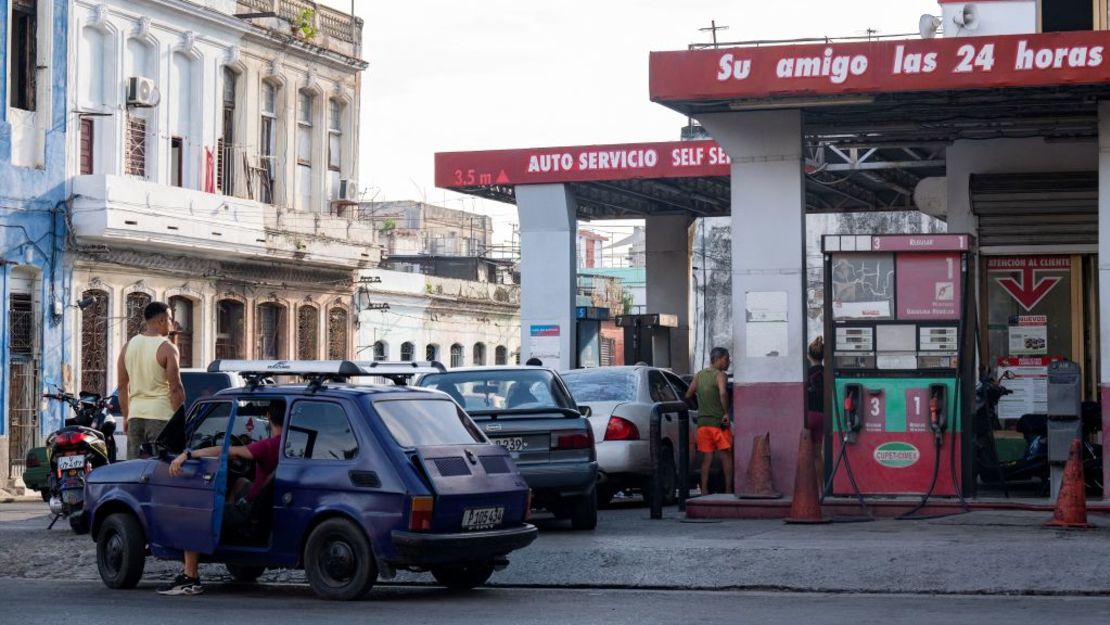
<point x="587" y="385"/>
<point x="483" y="390"/>
<point x="417" y="422"/>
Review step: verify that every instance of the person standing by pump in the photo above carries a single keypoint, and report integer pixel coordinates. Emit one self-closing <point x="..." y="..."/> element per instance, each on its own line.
<point x="149" y="372"/>
<point x="815" y="403"/>
<point x="714" y="438"/>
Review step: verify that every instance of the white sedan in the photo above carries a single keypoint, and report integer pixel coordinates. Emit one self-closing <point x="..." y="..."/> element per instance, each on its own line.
<point x="620" y="401"/>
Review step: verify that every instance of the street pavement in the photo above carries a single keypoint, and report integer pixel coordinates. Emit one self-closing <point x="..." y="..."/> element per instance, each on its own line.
<point x="50" y="602"/>
<point x="983" y="553"/>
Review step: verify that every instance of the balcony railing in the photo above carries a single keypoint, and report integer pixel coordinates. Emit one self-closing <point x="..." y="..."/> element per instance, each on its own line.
<point x="328" y="21"/>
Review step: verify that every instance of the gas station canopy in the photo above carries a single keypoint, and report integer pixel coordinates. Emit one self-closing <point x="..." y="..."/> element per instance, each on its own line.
<point x="877" y="118"/>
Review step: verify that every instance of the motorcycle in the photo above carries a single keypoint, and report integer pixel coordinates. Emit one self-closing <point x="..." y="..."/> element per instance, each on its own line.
<point x="84" y="443"/>
<point x="1033" y="465"/>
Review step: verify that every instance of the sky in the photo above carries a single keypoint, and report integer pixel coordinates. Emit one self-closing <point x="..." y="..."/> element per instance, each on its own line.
<point x="496" y="74"/>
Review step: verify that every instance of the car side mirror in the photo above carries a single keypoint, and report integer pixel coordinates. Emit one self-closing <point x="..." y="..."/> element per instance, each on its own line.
<point x="585" y="411"/>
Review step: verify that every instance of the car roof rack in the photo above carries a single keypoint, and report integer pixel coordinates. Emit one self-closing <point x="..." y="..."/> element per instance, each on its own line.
<point x="319" y="371"/>
<point x="399" y="372"/>
<point x="316" y="372"/>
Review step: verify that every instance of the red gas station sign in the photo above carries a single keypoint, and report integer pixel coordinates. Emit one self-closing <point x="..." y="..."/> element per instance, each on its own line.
<point x="670" y="159"/>
<point x="875" y="67"/>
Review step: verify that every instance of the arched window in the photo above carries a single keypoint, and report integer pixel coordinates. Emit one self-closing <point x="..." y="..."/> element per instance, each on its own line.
<point x="408" y="351"/>
<point x="225" y="144"/>
<point x="230" y="329"/>
<point x="381" y="350"/>
<point x="182" y="310"/>
<point x="269" y="324"/>
<point x="137" y="302"/>
<point x="308" y="333"/>
<point x="335" y="147"/>
<point x="306" y="114"/>
<point x="140" y="60"/>
<point x="500" y="355"/>
<point x="267" y="141"/>
<point x="457" y="355"/>
<point x="182" y="102"/>
<point x="431" y="352"/>
<point x="94" y="342"/>
<point x="337" y="333"/>
<point x="479" y="354"/>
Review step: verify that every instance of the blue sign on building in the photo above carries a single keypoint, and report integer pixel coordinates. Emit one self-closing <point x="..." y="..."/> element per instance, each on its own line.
<point x="34" y="301"/>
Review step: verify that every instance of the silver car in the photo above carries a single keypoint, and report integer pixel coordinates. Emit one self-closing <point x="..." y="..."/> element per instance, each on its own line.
<point x="620" y="401"/>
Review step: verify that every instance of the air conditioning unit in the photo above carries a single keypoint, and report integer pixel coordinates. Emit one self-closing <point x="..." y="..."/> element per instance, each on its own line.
<point x="142" y="92"/>
<point x="348" y="191"/>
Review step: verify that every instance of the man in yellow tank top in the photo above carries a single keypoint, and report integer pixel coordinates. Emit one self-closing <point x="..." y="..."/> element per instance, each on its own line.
<point x="150" y="389"/>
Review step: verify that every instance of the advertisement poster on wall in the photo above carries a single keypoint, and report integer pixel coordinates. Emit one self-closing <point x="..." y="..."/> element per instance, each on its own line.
<point x="1027" y="378"/>
<point x="1028" y="335"/>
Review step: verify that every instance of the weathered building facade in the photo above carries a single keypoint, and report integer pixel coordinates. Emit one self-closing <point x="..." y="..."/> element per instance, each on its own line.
<point x="210" y="167"/>
<point x="457" y="322"/>
<point x="34" y="298"/>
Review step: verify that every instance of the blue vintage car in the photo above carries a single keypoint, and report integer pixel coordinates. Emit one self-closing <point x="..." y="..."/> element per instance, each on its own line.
<point x="370" y="480"/>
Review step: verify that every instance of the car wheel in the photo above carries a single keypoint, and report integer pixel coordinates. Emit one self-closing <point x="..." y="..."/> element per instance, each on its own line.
<point x="245" y="574"/>
<point x="338" y="561"/>
<point x="584" y="513"/>
<point x="463" y="577"/>
<point x="670" y="479"/>
<point x="121" y="551"/>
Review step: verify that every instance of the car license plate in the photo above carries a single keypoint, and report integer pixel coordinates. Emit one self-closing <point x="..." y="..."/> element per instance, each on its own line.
<point x="66" y="463"/>
<point x="482" y="518"/>
<point x="512" y="443"/>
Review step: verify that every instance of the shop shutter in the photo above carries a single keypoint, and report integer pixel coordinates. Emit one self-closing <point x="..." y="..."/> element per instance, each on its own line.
<point x="1036" y="209"/>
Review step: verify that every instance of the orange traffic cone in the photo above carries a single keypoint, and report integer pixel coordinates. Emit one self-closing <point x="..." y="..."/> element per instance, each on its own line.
<point x="806" y="506"/>
<point x="1071" y="503"/>
<point x="760" y="483"/>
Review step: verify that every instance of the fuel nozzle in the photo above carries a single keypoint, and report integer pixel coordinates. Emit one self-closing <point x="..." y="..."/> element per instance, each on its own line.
<point x="938" y="417"/>
<point x="852" y="421"/>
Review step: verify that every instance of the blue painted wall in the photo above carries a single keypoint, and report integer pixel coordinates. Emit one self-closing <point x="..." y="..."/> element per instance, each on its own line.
<point x="32" y="220"/>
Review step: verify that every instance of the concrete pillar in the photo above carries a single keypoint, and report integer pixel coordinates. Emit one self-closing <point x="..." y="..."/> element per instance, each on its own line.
<point x="1104" y="278"/>
<point x="548" y="273"/>
<point x="768" y="283"/>
<point x="667" y="256"/>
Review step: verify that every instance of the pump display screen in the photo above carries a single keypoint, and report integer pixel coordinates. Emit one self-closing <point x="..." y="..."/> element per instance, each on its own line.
<point x="863" y="286"/>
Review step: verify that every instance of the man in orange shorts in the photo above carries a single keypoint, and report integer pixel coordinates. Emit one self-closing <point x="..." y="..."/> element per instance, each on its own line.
<point x="714" y="437"/>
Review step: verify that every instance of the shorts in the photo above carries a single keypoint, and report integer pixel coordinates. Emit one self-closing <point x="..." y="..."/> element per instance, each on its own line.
<point x="711" y="439"/>
<point x="141" y="431"/>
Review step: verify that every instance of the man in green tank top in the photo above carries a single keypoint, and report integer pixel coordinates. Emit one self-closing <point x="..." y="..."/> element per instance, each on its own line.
<point x="710" y="385"/>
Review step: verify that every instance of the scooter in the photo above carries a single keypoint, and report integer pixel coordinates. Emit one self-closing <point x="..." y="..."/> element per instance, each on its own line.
<point x="84" y="443"/>
<point x="1033" y="465"/>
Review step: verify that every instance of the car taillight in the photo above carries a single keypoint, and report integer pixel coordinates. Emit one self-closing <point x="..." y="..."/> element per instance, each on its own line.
<point x="420" y="515"/>
<point x="621" y="430"/>
<point x="573" y="441"/>
<point x="32" y="460"/>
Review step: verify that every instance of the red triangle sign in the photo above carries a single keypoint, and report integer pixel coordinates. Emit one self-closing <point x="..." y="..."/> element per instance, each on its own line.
<point x="1028" y="291"/>
<point x="502" y="178"/>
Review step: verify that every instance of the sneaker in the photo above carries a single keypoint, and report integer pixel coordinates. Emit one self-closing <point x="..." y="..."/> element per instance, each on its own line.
<point x="182" y="585"/>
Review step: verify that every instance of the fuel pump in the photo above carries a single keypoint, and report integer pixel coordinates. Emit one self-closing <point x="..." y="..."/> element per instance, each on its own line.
<point x="896" y="310"/>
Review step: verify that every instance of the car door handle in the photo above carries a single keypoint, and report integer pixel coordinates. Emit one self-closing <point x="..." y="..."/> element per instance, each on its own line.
<point x="208" y="477"/>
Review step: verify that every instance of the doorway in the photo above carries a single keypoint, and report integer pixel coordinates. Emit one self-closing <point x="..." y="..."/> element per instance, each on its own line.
<point x="1036" y="309"/>
<point x="23" y="376"/>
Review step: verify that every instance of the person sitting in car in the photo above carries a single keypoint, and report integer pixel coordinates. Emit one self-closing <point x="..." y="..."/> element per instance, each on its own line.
<point x="264" y="453"/>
